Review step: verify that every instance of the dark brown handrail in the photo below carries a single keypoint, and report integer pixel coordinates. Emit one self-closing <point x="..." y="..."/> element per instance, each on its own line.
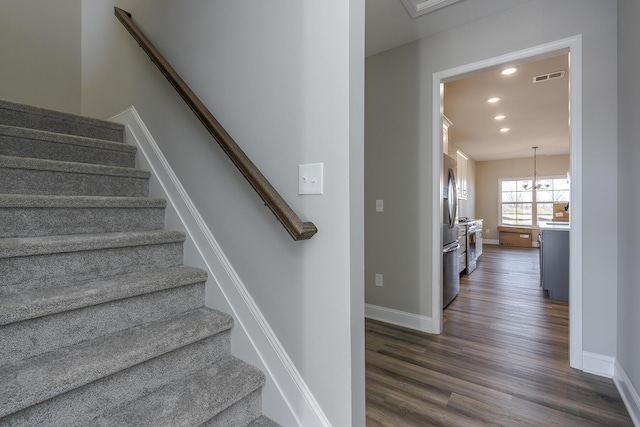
<point x="292" y="223"/>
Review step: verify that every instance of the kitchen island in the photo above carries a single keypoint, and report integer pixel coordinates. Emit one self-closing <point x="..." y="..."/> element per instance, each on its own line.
<point x="554" y="259"/>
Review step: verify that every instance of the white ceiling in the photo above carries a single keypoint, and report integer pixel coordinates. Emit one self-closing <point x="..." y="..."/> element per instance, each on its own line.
<point x="536" y="114"/>
<point x="388" y="24"/>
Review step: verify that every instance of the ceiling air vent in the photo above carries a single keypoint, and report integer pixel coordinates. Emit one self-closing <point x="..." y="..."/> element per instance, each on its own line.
<point x="548" y="76"/>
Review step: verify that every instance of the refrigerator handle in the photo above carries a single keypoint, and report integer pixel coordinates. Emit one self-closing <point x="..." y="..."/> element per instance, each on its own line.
<point x="451" y="248"/>
<point x="453" y="198"/>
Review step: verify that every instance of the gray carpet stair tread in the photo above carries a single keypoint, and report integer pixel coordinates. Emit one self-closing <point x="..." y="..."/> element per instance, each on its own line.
<point x="30" y="143"/>
<point x="192" y="400"/>
<point x="36" y="303"/>
<point x="61" y="138"/>
<point x="264" y="422"/>
<point x="48" y="201"/>
<point x="28" y="246"/>
<point x="30" y="116"/>
<point x="41" y="215"/>
<point x="10" y="162"/>
<point x="42" y="377"/>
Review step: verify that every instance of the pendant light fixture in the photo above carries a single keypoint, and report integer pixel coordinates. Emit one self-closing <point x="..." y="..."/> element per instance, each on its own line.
<point x="528" y="185"/>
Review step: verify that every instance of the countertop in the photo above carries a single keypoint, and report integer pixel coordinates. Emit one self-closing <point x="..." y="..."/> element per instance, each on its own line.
<point x="555" y="225"/>
<point x="470" y="220"/>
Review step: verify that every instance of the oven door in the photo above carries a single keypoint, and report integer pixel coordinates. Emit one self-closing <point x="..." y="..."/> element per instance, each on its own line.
<point x="472" y="249"/>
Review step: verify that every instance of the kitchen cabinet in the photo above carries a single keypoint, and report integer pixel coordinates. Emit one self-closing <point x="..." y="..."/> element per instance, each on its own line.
<point x="461" y="173"/>
<point x="554" y="262"/>
<point x="445" y="134"/>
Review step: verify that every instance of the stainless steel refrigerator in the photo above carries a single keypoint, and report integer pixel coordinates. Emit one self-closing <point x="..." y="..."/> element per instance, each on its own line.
<point x="450" y="245"/>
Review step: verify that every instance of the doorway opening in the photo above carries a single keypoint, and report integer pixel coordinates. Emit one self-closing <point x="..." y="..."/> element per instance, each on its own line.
<point x="572" y="46"/>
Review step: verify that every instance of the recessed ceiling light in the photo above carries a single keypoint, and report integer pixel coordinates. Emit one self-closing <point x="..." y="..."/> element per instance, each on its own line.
<point x="500" y="117"/>
<point x="504" y="130"/>
<point x="493" y="100"/>
<point x="509" y="70"/>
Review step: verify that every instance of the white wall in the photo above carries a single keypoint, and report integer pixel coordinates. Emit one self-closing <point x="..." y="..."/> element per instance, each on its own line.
<point x="531" y="24"/>
<point x="356" y="208"/>
<point x="40" y="53"/>
<point x="629" y="203"/>
<point x="283" y="78"/>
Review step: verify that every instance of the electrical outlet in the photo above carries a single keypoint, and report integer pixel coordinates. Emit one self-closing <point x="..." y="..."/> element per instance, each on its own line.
<point x="379" y="205"/>
<point x="379" y="280"/>
<point x="488" y="230"/>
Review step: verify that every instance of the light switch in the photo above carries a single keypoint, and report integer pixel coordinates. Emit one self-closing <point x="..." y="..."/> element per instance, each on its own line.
<point x="379" y="205"/>
<point x="310" y="178"/>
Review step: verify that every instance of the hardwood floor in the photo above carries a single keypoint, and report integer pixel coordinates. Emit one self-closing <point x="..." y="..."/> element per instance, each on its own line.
<point x="502" y="359"/>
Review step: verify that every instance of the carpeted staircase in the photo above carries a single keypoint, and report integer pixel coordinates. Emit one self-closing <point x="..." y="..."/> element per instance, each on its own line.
<point x="100" y="322"/>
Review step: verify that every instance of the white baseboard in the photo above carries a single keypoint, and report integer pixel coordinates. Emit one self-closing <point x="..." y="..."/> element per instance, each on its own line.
<point x="286" y="397"/>
<point x="598" y="364"/>
<point x="628" y="393"/>
<point x="400" y="318"/>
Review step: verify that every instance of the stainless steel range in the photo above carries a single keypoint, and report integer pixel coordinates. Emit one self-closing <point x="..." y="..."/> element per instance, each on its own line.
<point x="473" y="242"/>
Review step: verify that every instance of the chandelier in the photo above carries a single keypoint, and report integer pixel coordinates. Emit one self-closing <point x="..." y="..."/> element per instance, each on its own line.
<point x="535" y="184"/>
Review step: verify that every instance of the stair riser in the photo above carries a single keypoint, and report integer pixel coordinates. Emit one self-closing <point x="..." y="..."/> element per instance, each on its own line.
<point x="33" y="181"/>
<point x="32" y="222"/>
<point x="38" y="271"/>
<point x="81" y="405"/>
<point x="239" y="414"/>
<point x="32" y="337"/>
<point x="31" y="148"/>
<point x="36" y="118"/>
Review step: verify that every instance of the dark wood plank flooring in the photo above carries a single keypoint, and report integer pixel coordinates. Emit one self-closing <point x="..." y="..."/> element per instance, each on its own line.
<point x="502" y="359"/>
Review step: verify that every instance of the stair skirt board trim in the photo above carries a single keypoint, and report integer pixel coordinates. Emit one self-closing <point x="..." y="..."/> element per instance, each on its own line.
<point x="628" y="393"/>
<point x="399" y="318"/>
<point x="285" y="395"/>
<point x="598" y="364"/>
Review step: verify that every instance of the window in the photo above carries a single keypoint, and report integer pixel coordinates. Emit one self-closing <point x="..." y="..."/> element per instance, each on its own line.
<point x="516" y="203"/>
<point x="519" y="205"/>
<point x="553" y="190"/>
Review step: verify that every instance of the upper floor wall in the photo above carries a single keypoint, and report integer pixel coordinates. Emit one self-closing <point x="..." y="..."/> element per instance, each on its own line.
<point x="40" y="53"/>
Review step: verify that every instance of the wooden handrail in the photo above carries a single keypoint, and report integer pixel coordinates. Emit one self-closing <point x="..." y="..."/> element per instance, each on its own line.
<point x="298" y="229"/>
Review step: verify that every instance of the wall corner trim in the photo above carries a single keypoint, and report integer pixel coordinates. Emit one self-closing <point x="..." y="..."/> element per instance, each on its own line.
<point x="598" y="364"/>
<point x="399" y="318"/>
<point x="628" y="393"/>
<point x="278" y="367"/>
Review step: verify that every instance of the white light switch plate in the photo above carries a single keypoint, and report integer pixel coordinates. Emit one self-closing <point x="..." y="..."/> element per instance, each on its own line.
<point x="310" y="178"/>
<point x="379" y="205"/>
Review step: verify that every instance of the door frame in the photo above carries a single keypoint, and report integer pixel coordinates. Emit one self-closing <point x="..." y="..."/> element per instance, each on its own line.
<point x="574" y="45"/>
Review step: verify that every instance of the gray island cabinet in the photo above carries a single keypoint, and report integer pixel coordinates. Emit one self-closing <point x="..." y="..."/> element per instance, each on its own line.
<point x="554" y="261"/>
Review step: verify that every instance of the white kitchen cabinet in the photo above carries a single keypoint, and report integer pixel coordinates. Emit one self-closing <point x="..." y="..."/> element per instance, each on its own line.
<point x="445" y="134"/>
<point x="461" y="175"/>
